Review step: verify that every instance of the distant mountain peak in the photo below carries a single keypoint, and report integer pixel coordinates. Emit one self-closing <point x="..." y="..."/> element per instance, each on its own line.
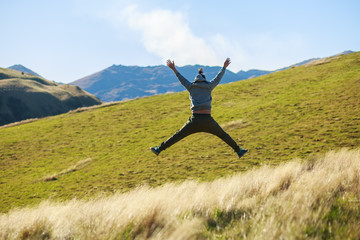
<point x="346" y="52"/>
<point x="21" y="68"/>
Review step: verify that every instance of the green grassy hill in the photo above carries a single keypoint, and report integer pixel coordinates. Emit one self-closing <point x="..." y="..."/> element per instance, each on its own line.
<point x="293" y="113"/>
<point x="25" y="96"/>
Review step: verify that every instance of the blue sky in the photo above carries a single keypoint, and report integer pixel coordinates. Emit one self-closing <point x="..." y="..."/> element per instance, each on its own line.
<point x="64" y="40"/>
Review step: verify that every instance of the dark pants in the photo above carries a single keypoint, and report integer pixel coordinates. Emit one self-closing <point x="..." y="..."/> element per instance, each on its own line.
<point x="200" y="123"/>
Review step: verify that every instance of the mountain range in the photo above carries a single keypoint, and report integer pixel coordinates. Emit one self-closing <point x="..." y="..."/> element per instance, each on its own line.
<point x="119" y="82"/>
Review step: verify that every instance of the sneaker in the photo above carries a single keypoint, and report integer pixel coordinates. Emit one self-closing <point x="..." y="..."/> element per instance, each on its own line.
<point x="242" y="152"/>
<point x="155" y="150"/>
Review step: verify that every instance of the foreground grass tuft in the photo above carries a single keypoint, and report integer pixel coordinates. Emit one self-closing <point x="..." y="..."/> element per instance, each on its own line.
<point x="316" y="198"/>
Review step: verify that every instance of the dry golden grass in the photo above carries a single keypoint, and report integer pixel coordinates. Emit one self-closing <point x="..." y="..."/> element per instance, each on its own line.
<point x="77" y="110"/>
<point x="295" y="200"/>
<point x="233" y="124"/>
<point x="79" y="165"/>
<point x="20" y="122"/>
<point x="322" y="61"/>
<point x="84" y="109"/>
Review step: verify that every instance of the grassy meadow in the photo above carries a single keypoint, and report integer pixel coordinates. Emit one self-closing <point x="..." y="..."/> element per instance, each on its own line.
<point x="301" y="112"/>
<point x="313" y="199"/>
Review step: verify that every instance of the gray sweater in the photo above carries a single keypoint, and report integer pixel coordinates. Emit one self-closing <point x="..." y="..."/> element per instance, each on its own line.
<point x="200" y="90"/>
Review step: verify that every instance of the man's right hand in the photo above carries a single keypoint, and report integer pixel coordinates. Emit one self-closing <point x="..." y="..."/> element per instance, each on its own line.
<point x="171" y="64"/>
<point x="227" y="62"/>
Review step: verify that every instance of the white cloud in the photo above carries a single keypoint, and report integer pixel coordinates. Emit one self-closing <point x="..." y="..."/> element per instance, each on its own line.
<point x="150" y="35"/>
<point x="167" y="34"/>
<point x="225" y="48"/>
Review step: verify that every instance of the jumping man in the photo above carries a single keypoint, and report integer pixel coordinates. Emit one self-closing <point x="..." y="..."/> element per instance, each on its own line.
<point x="201" y="120"/>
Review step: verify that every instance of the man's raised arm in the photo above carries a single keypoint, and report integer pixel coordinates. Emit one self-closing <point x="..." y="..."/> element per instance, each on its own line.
<point x="216" y="80"/>
<point x="183" y="81"/>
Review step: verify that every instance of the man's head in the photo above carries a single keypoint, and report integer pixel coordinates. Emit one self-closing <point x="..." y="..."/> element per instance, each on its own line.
<point x="201" y="76"/>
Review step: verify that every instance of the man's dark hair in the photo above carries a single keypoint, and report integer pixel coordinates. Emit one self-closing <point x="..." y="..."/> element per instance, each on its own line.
<point x="201" y="72"/>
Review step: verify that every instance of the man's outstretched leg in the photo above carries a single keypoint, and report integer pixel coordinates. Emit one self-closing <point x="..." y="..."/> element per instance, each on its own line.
<point x="186" y="130"/>
<point x="218" y="131"/>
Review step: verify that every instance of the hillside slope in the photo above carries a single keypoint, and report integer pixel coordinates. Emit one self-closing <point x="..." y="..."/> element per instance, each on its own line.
<point x="294" y="113"/>
<point x="24" y="96"/>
